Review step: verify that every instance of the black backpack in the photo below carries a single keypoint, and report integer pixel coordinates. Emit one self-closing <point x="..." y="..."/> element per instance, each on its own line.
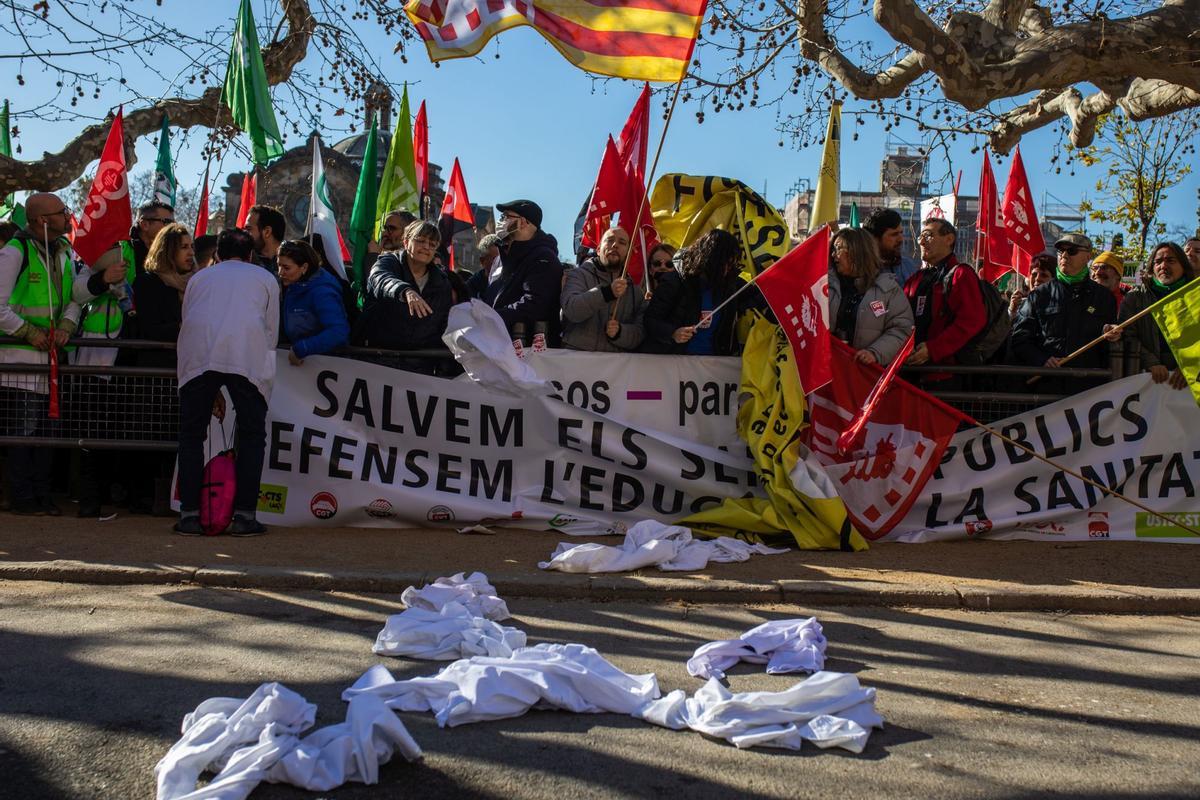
<point x="994" y="333"/>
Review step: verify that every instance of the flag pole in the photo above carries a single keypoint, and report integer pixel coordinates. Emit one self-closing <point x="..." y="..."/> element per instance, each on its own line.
<point x="1074" y="474"/>
<point x="52" y="355"/>
<point x="1115" y="329"/>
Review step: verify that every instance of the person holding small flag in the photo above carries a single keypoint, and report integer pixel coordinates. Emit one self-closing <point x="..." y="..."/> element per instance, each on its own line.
<point x="1170" y="270"/>
<point x="679" y="318"/>
<point x="36" y="274"/>
<point x="590" y="293"/>
<point x="867" y="307"/>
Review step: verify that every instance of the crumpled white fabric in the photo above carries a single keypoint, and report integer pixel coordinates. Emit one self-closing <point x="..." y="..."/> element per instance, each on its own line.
<point x="453" y="632"/>
<point x="473" y="592"/>
<point x="248" y="741"/>
<point x="784" y="645"/>
<point x="651" y="543"/>
<point x="571" y="677"/>
<point x="480" y="341"/>
<point x="829" y="709"/>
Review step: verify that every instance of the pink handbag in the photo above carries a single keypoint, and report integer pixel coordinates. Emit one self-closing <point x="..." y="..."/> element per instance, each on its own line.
<point x="217" y="490"/>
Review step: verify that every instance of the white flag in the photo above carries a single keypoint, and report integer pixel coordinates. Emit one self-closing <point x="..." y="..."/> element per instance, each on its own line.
<point x="320" y="214"/>
<point x="942" y="206"/>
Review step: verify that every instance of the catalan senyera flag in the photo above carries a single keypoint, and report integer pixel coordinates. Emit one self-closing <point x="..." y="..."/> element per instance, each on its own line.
<point x="1178" y="317"/>
<point x="828" y="200"/>
<point x="802" y="506"/>
<point x="649" y="40"/>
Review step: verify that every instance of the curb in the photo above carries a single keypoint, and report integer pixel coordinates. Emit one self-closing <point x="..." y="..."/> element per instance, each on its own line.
<point x="607" y="588"/>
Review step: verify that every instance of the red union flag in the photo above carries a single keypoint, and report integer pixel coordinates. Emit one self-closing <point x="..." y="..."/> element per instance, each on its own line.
<point x="797" y="289"/>
<point x="607" y="195"/>
<point x="107" y="216"/>
<point x="899" y="448"/>
<point x="1020" y="216"/>
<point x="995" y="249"/>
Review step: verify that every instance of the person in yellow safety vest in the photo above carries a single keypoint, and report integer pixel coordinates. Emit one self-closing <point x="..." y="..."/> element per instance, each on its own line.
<point x="36" y="307"/>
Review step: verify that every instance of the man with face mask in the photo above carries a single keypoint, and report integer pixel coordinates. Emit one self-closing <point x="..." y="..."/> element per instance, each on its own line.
<point x="527" y="287"/>
<point x="591" y="292"/>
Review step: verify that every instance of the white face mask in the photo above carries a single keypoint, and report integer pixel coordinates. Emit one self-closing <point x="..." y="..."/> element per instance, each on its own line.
<point x="506" y="227"/>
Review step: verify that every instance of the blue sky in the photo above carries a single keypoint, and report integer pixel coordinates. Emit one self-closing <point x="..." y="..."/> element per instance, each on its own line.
<point x="529" y="124"/>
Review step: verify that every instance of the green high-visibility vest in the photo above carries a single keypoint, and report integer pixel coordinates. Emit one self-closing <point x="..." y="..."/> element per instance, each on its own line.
<point x="103" y="315"/>
<point x="30" y="299"/>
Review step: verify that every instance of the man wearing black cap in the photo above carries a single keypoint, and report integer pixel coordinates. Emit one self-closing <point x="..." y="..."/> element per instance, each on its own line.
<point x="526" y="287"/>
<point x="1062" y="315"/>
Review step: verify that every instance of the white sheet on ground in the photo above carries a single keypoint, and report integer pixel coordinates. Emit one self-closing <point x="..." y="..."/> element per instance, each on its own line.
<point x="829" y="709"/>
<point x="473" y="592"/>
<point x="784" y="645"/>
<point x="451" y="633"/>
<point x="571" y="677"/>
<point x="653" y="544"/>
<point x="248" y="741"/>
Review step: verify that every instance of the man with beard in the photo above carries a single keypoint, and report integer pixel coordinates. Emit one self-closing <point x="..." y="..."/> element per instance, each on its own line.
<point x="888" y="229"/>
<point x="590" y="294"/>
<point x="526" y="289"/>
<point x="268" y="229"/>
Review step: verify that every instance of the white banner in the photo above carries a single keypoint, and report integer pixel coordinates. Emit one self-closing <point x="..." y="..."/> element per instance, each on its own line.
<point x="942" y="206"/>
<point x="1137" y="437"/>
<point x="352" y="443"/>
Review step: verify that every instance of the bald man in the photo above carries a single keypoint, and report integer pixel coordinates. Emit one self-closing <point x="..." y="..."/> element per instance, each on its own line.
<point x="36" y="308"/>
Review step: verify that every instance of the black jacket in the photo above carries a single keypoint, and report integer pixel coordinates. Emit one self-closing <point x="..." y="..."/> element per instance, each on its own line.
<point x="1058" y="318"/>
<point x="676" y="303"/>
<point x="529" y="286"/>
<point x="386" y="321"/>
<point x="159" y="316"/>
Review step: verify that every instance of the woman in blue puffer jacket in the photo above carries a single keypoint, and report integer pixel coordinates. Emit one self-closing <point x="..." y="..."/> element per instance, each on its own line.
<point x="314" y="318"/>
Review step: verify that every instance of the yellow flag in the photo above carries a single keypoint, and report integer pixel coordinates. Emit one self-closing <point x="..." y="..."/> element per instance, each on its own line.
<point x="829" y="183"/>
<point x="802" y="505"/>
<point x="1179" y="320"/>
<point x="686" y="207"/>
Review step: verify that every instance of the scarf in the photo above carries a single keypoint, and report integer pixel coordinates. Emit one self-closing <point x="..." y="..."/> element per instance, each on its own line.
<point x="176" y="280"/>
<point x="1070" y="280"/>
<point x="1163" y="289"/>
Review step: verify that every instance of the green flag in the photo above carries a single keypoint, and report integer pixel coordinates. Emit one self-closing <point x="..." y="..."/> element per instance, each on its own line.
<point x="246" y="91"/>
<point x="854" y="216"/>
<point x="8" y="202"/>
<point x="164" y="173"/>
<point x="1178" y="317"/>
<point x="362" y="218"/>
<point x="398" y="186"/>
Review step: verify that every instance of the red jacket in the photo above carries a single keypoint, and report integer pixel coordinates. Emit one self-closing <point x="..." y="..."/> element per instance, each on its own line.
<point x="949" y="329"/>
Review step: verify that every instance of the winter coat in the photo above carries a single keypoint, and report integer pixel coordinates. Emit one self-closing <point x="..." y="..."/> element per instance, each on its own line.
<point x="1058" y="318"/>
<point x="676" y="303"/>
<point x="587" y="304"/>
<point x="884" y="317"/>
<point x="953" y="322"/>
<point x="528" y="289"/>
<point x="386" y="320"/>
<point x="1152" y="347"/>
<point x="314" y="316"/>
<point x="159" y="317"/>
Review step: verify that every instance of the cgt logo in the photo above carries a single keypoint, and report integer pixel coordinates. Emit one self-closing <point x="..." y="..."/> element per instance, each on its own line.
<point x="1098" y="525"/>
<point x="440" y="514"/>
<point x="323" y="505"/>
<point x="379" y="508"/>
<point x="272" y="499"/>
<point x="978" y="527"/>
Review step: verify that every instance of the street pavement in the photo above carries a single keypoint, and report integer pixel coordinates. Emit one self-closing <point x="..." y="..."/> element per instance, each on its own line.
<point x="96" y="680"/>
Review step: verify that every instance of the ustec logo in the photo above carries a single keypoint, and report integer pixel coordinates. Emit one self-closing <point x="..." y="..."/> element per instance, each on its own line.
<point x="323" y="505"/>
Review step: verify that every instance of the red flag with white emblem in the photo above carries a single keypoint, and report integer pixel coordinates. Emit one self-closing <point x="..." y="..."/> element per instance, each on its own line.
<point x="797" y="289"/>
<point x="1020" y="216"/>
<point x="607" y="195"/>
<point x="421" y="154"/>
<point x="902" y="438"/>
<point x="107" y="216"/>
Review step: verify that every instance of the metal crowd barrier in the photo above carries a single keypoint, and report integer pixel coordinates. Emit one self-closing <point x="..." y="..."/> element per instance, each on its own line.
<point x="137" y="408"/>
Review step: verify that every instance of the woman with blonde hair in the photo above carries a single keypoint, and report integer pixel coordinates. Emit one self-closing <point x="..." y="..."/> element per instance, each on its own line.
<point x="867" y="307"/>
<point x="158" y="292"/>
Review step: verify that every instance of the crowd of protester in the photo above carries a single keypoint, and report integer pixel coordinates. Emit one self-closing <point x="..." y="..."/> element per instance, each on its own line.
<point x="229" y="301"/>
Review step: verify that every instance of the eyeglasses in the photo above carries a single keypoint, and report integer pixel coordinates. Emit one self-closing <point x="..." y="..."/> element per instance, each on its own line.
<point x="660" y="262"/>
<point x="62" y="211"/>
<point x="1072" y="250"/>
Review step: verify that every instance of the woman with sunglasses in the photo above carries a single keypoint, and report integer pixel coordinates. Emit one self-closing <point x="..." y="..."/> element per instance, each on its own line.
<point x="659" y="263"/>
<point x="1169" y="270"/>
<point x="867" y="307"/>
<point x="314" y="318"/>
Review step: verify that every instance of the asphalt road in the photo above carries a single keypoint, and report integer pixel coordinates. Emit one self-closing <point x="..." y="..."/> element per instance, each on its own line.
<point x="94" y="682"/>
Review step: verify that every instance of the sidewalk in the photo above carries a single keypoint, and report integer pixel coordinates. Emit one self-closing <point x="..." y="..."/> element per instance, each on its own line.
<point x="1103" y="576"/>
